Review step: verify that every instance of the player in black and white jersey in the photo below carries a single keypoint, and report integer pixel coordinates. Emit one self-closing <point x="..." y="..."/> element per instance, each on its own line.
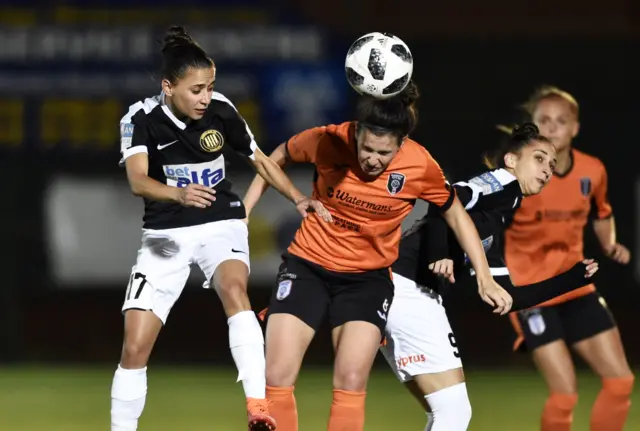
<point x="174" y="147"/>
<point x="420" y="345"/>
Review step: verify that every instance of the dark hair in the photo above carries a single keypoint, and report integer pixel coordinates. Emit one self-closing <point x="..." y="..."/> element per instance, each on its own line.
<point x="550" y="92"/>
<point x="520" y="137"/>
<point x="180" y="53"/>
<point x="396" y="115"/>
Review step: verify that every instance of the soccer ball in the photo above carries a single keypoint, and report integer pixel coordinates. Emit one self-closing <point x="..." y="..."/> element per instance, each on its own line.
<point x="379" y="64"/>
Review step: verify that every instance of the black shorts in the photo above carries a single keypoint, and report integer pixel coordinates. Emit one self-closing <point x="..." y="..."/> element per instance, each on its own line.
<point x="571" y="321"/>
<point x="310" y="292"/>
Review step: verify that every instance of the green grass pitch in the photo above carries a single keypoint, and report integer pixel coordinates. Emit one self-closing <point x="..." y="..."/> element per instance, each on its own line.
<point x="198" y="399"/>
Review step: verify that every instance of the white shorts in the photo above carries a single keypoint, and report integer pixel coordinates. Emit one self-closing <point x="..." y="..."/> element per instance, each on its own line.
<point x="419" y="339"/>
<point x="163" y="264"/>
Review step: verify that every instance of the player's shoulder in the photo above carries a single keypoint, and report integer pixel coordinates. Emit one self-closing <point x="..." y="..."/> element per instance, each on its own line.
<point x="498" y="179"/>
<point x="411" y="148"/>
<point x="221" y="102"/>
<point x="330" y="133"/>
<point x="342" y="131"/>
<point x="222" y="107"/>
<point x="412" y="155"/>
<point x="316" y="134"/>
<point x="140" y="110"/>
<point x="587" y="161"/>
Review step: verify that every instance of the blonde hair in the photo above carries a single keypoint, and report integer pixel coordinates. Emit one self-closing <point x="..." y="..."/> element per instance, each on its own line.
<point x="551" y="92"/>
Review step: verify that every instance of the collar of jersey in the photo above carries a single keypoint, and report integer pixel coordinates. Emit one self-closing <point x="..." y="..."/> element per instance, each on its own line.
<point x="169" y="114"/>
<point x="504" y="176"/>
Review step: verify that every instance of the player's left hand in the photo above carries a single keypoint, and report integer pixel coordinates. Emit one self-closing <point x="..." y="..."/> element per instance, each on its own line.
<point x="591" y="267"/>
<point x="493" y="294"/>
<point x="443" y="268"/>
<point x="306" y="206"/>
<point x="619" y="253"/>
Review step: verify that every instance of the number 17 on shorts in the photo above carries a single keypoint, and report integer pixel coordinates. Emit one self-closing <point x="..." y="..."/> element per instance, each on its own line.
<point x="138" y="294"/>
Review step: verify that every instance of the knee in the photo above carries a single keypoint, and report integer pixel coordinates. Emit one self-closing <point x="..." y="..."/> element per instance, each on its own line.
<point x="561" y="403"/>
<point x="135" y="352"/>
<point x="233" y="287"/>
<point x="281" y="377"/>
<point x="451" y="407"/>
<point x="350" y="379"/>
<point x="281" y="369"/>
<point x="619" y="386"/>
<point x="233" y="293"/>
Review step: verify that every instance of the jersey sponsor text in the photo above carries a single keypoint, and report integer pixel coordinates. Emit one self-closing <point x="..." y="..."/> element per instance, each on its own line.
<point x="208" y="174"/>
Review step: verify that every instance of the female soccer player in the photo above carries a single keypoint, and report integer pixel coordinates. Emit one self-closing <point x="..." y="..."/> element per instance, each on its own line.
<point x="545" y="239"/>
<point x="172" y="147"/>
<point x="368" y="175"/>
<point x="420" y="346"/>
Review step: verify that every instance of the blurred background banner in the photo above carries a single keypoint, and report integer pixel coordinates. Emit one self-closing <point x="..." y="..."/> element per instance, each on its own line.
<point x="65" y="86"/>
<point x="71" y="228"/>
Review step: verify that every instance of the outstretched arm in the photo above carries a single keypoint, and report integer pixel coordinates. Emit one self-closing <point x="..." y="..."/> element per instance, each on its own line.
<point x="531" y="295"/>
<point x="300" y="148"/>
<point x="259" y="185"/>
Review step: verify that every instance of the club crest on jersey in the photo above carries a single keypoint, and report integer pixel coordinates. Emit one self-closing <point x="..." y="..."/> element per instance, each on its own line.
<point x="585" y="186"/>
<point x="395" y="183"/>
<point x="284" y="289"/>
<point x="211" y="141"/>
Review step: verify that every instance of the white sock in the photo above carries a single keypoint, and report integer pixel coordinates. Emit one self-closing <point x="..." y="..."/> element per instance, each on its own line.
<point x="128" y="394"/>
<point x="429" y="422"/>
<point x="247" y="348"/>
<point x="450" y="408"/>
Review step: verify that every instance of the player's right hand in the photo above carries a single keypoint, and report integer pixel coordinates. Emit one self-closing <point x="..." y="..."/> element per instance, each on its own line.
<point x="493" y="294"/>
<point x="196" y="195"/>
<point x="306" y="206"/>
<point x="443" y="268"/>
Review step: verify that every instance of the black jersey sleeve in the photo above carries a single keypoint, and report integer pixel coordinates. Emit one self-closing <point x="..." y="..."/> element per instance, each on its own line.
<point x="134" y="133"/>
<point x="467" y="195"/>
<point x="437" y="230"/>
<point x="239" y="135"/>
<point x="435" y="237"/>
<point x="530" y="295"/>
<point x="487" y="222"/>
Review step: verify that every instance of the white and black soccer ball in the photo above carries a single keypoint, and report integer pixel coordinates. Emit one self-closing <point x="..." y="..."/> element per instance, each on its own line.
<point x="379" y="64"/>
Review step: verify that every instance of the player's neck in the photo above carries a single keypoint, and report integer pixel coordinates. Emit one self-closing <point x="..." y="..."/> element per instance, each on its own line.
<point x="175" y="111"/>
<point x="564" y="161"/>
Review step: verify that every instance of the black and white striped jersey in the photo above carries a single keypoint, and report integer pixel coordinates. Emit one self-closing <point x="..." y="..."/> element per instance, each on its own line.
<point x="491" y="199"/>
<point x="181" y="153"/>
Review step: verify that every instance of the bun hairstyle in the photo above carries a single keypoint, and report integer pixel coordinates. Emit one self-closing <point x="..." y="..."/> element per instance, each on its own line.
<point x="397" y="115"/>
<point x="518" y="138"/>
<point x="181" y="53"/>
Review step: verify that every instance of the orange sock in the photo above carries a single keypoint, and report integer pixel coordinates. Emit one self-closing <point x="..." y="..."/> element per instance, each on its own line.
<point x="558" y="412"/>
<point x="347" y="411"/>
<point x="612" y="405"/>
<point x="282" y="407"/>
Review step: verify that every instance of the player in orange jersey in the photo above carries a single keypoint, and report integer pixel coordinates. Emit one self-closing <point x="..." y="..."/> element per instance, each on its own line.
<point x="368" y="175"/>
<point x="545" y="239"/>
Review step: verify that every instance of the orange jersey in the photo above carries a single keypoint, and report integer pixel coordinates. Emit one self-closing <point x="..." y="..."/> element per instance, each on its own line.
<point x="546" y="237"/>
<point x="367" y="214"/>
